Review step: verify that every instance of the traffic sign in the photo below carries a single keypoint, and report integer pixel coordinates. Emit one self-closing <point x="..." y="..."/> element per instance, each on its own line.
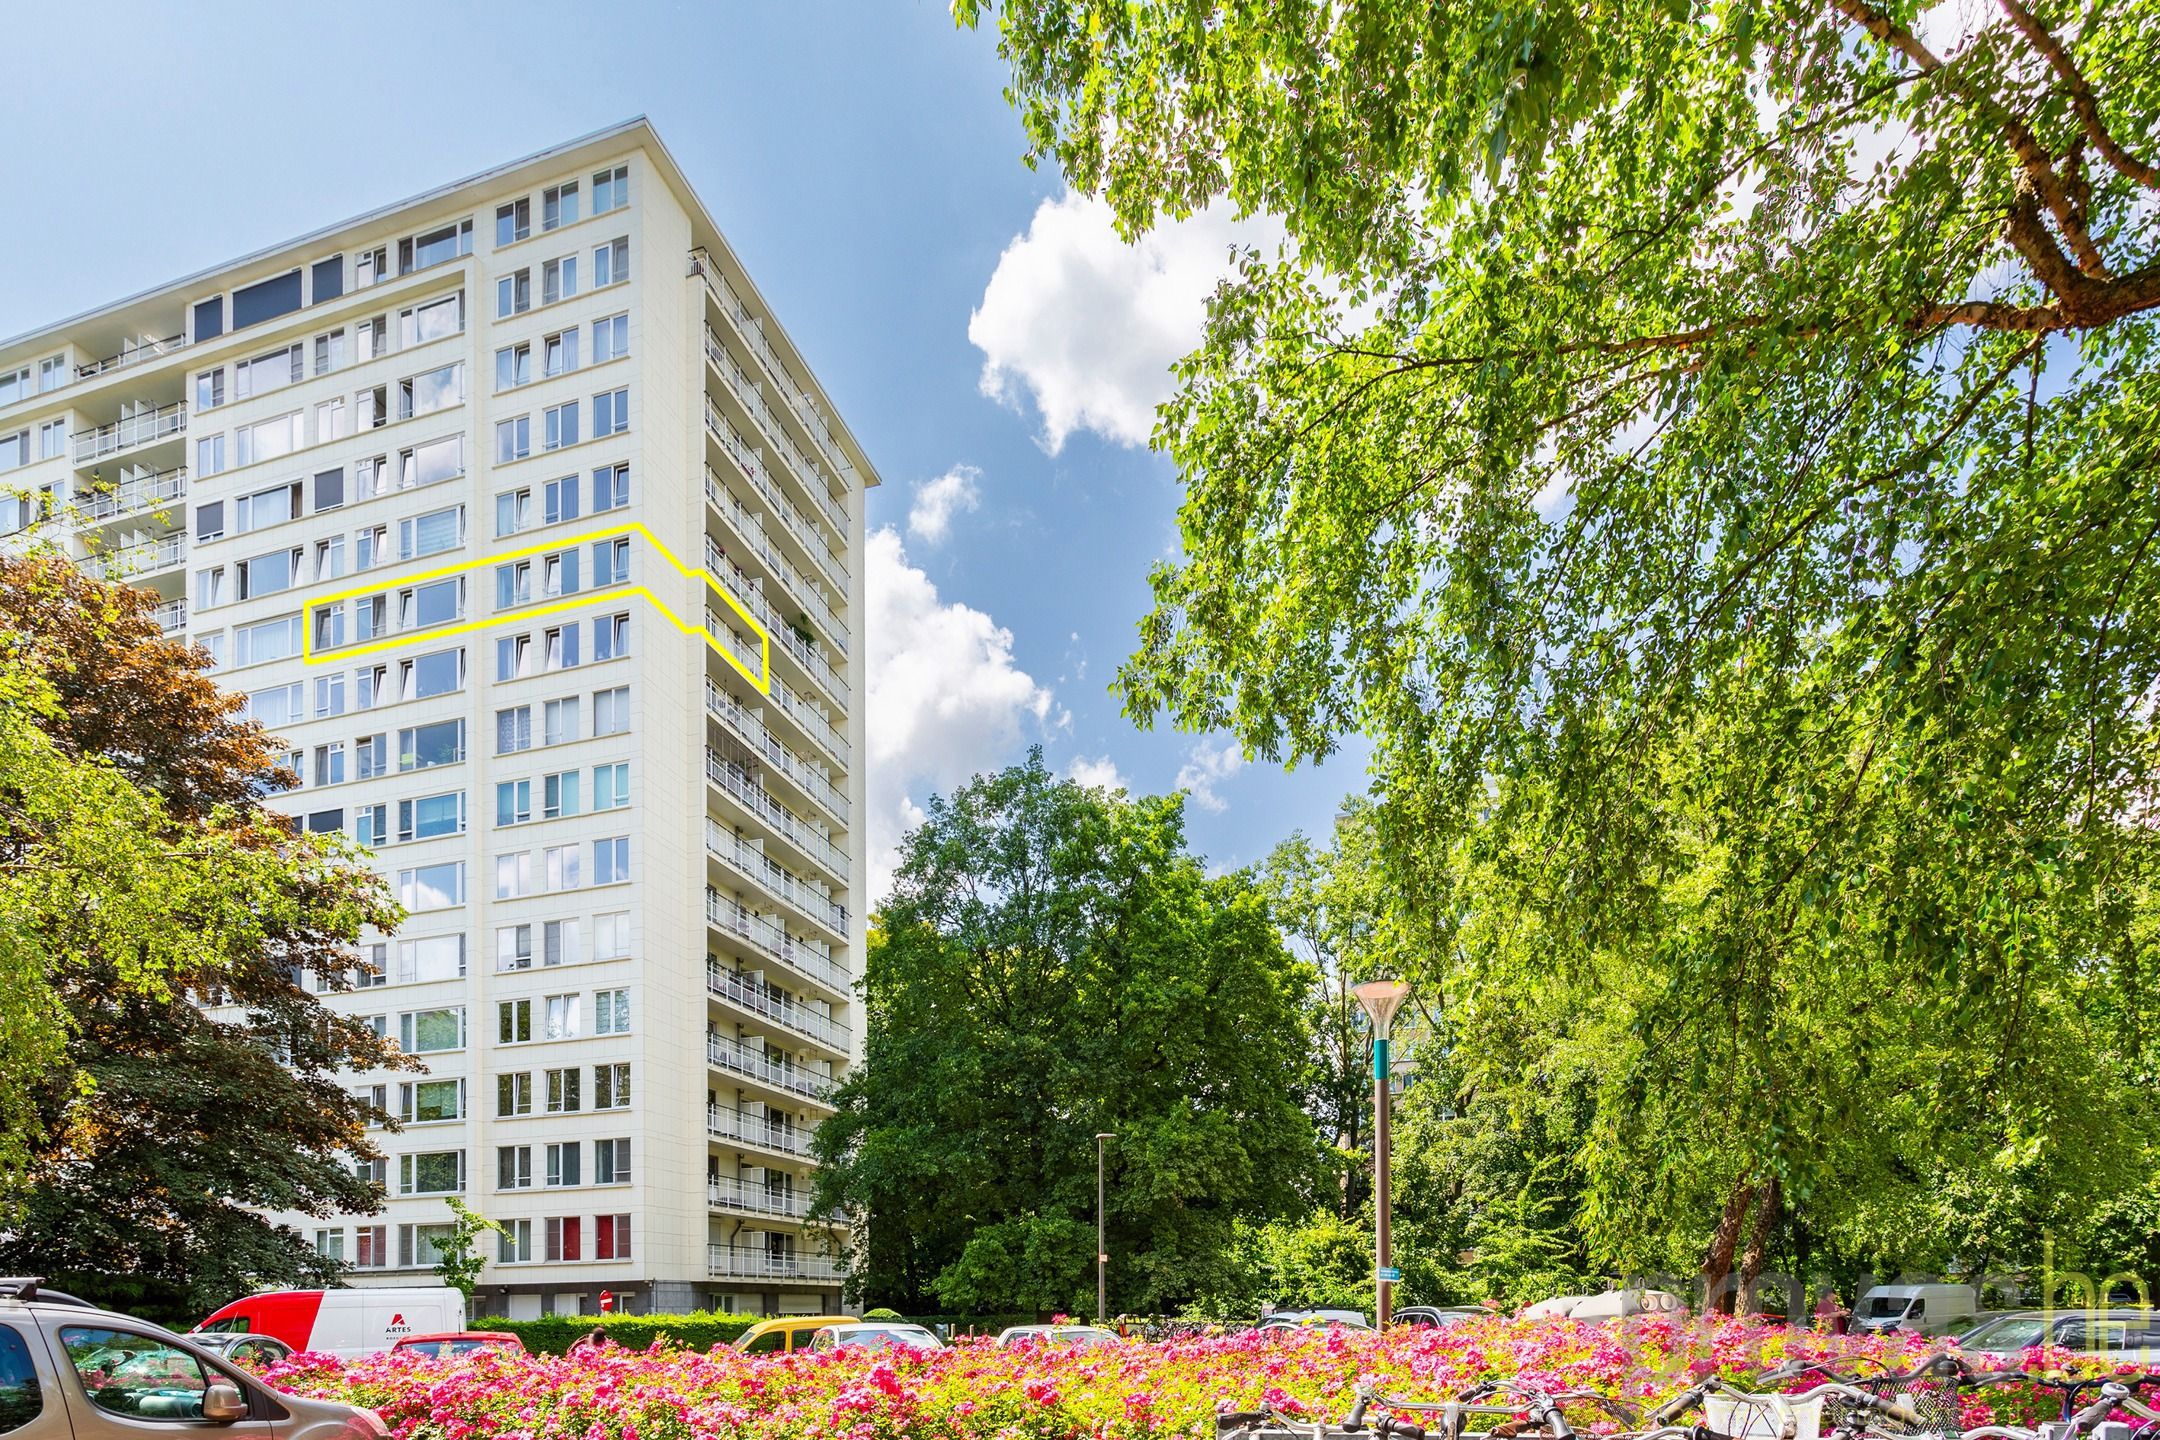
<point x="607" y="1302"/>
<point x="1388" y="1272"/>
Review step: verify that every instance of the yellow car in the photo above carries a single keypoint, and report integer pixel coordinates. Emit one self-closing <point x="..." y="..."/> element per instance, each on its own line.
<point x="789" y="1332"/>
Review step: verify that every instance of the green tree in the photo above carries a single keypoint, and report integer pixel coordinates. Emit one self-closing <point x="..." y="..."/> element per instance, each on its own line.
<point x="460" y="1256"/>
<point x="1053" y="963"/>
<point x="157" y="1129"/>
<point x="1706" y="447"/>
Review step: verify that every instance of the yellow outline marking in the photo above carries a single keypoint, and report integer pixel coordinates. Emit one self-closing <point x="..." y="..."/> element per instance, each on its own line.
<point x="604" y="595"/>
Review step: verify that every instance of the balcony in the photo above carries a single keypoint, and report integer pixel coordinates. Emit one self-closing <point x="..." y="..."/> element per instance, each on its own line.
<point x="740" y="1059"/>
<point x="757" y="1133"/>
<point x="749" y="529"/>
<point x="171" y="616"/>
<point x="130" y="496"/>
<point x="752" y="463"/>
<point x="800" y="402"/>
<point x="748" y="793"/>
<point x="812" y="961"/>
<point x="744" y="1263"/>
<point x="136" y="562"/>
<point x="748" y="1199"/>
<point x="806" y="715"/>
<point x="741" y="990"/>
<point x="751" y="731"/>
<point x="136" y="353"/>
<point x="784" y="637"/>
<point x="124" y="434"/>
<point x="752" y="863"/>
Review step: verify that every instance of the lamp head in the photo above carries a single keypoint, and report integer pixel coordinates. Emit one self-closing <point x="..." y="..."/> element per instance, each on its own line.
<point x="1106" y="1135"/>
<point x="1381" y="999"/>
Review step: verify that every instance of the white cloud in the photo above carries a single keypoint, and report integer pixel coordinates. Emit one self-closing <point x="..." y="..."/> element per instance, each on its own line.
<point x="1206" y="764"/>
<point x="1097" y="773"/>
<point x="930" y="514"/>
<point x="945" y="698"/>
<point x="1088" y="326"/>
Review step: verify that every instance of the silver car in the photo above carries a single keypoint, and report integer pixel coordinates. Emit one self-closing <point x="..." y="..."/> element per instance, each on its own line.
<point x="70" y="1371"/>
<point x="2114" y="1334"/>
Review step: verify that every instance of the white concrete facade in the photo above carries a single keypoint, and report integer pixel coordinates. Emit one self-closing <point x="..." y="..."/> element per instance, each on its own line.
<point x="634" y="877"/>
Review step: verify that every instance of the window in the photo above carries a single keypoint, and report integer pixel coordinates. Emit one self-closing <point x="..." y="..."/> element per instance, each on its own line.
<point x="432" y="533"/>
<point x="267" y="439"/>
<point x="513" y="439"/>
<point x="611" y="561"/>
<point x="561" y="1238"/>
<point x="15" y="450"/>
<point x="513" y="1021"/>
<point x="610" y="413"/>
<point x="52" y="374"/>
<point x="430" y="391"/>
<point x="438" y="673"/>
<point x="513" y="948"/>
<point x="430" y="1102"/>
<point x="611" y="711"/>
<point x="559" y="206"/>
<point x="561" y="500"/>
<point x="372" y="1172"/>
<point x="210" y="389"/>
<point x="611" y="786"/>
<point x="513" y="1166"/>
<point x="14" y="385"/>
<point x="266" y="507"/>
<point x="611" y="1012"/>
<point x="559" y="795"/>
<point x="370" y="1245"/>
<point x="610" y="1166"/>
<point x="559" y="942"/>
<point x="513" y="803"/>
<point x="52" y="439"/>
<point x="611" y="860"/>
<point x="559" y="352"/>
<point x="209" y="456"/>
<point x="269" y="574"/>
<point x="562" y="1024"/>
<point x="610" y="637"/>
<point x="562" y="1088"/>
<point x="513" y="584"/>
<point x="330" y="1245"/>
<point x="562" y="1163"/>
<point x="560" y="721"/>
<point x="266" y="373"/>
<point x="424" y="1032"/>
<point x="610" y="190"/>
<point x="269" y="640"/>
<point x="558" y="280"/>
<point x="611" y="1087"/>
<point x="436" y="603"/>
<point x="513" y="1243"/>
<point x="513" y="366"/>
<point x="371" y="338"/>
<point x="611" y="1233"/>
<point x="563" y="867"/>
<point x="330" y="352"/>
<point x="559" y="644"/>
<point x="513" y="875"/>
<point x="435" y="320"/>
<point x="513" y="657"/>
<point x="22" y="1400"/>
<point x="432" y="463"/>
<point x="513" y="222"/>
<point x="610" y="488"/>
<point x="371" y="477"/>
<point x="438" y="957"/>
<point x="513" y="730"/>
<point x="330" y="763"/>
<point x="431" y="1172"/>
<point x="425" y="746"/>
<point x="432" y="887"/>
<point x="434" y="247"/>
<point x="611" y="262"/>
<point x="371" y="757"/>
<point x="431" y="816"/>
<point x="513" y="294"/>
<point x="561" y="426"/>
<point x="275" y="707"/>
<point x="514" y="1095"/>
<point x="371" y="408"/>
<point x="130" y="1375"/>
<point x="371" y="826"/>
<point x="611" y="936"/>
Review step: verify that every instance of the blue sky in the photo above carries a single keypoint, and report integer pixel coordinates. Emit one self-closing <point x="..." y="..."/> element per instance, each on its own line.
<point x="994" y="348"/>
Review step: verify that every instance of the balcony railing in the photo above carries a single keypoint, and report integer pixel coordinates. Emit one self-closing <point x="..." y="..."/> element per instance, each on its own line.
<point x="740" y="990"/>
<point x="800" y="402"/>
<point x="739" y="584"/>
<point x="792" y="520"/>
<point x="137" y="353"/>
<point x="733" y="1055"/>
<point x="812" y="961"/>
<point x="747" y="1198"/>
<point x="744" y="1262"/>
<point x="749" y="729"/>
<point x="141" y="493"/>
<point x="140" y="428"/>
<point x="136" y="561"/>
<point x="171" y="616"/>
<point x="773" y="878"/>
<point x="758" y="1132"/>
<point x="793" y="583"/>
<point x="741" y="784"/>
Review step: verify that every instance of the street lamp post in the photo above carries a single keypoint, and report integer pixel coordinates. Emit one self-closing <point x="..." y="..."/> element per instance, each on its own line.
<point x="1102" y="1249"/>
<point x="1381" y="999"/>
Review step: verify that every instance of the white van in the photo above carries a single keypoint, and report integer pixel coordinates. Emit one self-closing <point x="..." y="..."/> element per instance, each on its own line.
<point x="347" y="1323"/>
<point x="1929" y="1309"/>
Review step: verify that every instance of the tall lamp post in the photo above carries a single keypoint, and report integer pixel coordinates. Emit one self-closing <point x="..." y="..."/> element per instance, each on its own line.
<point x="1381" y="999"/>
<point x="1102" y="1249"/>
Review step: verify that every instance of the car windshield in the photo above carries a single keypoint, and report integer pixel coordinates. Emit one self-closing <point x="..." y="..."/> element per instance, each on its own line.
<point x="1081" y="1335"/>
<point x="1886" y="1307"/>
<point x="2011" y="1332"/>
<point x="887" y="1337"/>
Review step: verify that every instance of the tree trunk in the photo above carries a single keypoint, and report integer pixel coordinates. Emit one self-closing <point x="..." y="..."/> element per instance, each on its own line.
<point x="1758" y="1248"/>
<point x="1718" y="1262"/>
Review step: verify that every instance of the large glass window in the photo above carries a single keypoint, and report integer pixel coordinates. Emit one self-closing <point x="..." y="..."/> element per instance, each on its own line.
<point x="428" y="816"/>
<point x="432" y="887"/>
<point x="425" y="1031"/>
<point x="134" y="1375"/>
<point x="442" y="743"/>
<point x="268" y="372"/>
<point x="429" y="464"/>
<point x="436" y="320"/>
<point x="431" y="1172"/>
<point x="434" y="247"/>
<point x="432" y="533"/>
<point x="430" y="391"/>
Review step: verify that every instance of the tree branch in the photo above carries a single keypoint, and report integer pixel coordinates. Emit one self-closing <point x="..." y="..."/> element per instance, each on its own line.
<point x="2082" y="99"/>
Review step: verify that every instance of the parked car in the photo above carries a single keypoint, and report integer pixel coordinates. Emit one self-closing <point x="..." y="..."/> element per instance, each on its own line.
<point x="789" y="1332"/>
<point x="1303" y="1319"/>
<point x="1055" y="1337"/>
<point x="884" y="1335"/>
<point x="255" y="1353"/>
<point x="1435" y="1317"/>
<point x="458" y="1342"/>
<point x="1927" y="1309"/>
<point x="2123" y="1334"/>
<point x="70" y="1371"/>
<point x="361" y="1321"/>
<point x="1619" y="1304"/>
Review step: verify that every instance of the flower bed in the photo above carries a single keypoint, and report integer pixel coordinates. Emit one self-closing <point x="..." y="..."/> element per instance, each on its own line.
<point x="976" y="1392"/>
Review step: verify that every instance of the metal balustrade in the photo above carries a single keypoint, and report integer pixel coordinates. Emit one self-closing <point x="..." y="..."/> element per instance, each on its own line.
<point x="758" y="1132"/>
<point x="141" y="493"/>
<point x="141" y="352"/>
<point x="784" y="637"/>
<point x="752" y="796"/>
<point x="773" y="878"/>
<point x="750" y="1198"/>
<point x="136" y="561"/>
<point x="138" y="429"/>
<point x="171" y="616"/>
<point x="752" y="464"/>
<point x="812" y="961"/>
<point x="733" y="1055"/>
<point x="741" y="990"/>
<point x="754" y="735"/>
<point x="742" y="1262"/>
<point x="800" y="402"/>
<point x="798" y="587"/>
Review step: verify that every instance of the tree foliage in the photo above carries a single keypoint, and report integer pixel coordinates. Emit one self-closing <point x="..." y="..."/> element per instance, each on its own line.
<point x="155" y="1129"/>
<point x="1054" y="963"/>
<point x="1707" y="447"/>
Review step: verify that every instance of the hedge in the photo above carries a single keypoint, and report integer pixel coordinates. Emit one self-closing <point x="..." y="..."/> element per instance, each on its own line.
<point x="554" y="1334"/>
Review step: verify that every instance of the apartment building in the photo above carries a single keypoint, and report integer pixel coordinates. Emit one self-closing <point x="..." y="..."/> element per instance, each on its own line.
<point x="514" y="512"/>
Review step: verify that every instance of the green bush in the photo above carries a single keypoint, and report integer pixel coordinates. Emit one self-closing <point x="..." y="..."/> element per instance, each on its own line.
<point x="882" y="1314"/>
<point x="554" y="1334"/>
